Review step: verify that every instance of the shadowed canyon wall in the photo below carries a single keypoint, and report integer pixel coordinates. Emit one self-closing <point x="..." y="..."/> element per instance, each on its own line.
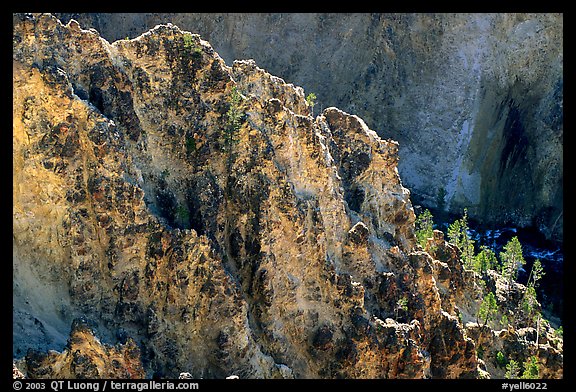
<point x="474" y="100"/>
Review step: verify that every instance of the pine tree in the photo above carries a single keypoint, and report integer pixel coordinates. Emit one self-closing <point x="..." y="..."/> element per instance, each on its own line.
<point x="488" y="308"/>
<point x="485" y="260"/>
<point x="531" y="369"/>
<point x="536" y="273"/>
<point x="529" y="304"/>
<point x="512" y="260"/>
<point x="424" y="227"/>
<point x="311" y="101"/>
<point x="512" y="370"/>
<point x="458" y="234"/>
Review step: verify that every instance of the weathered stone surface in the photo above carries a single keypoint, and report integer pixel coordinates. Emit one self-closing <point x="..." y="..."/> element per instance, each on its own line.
<point x="87" y="358"/>
<point x="278" y="246"/>
<point x="519" y="345"/>
<point x="474" y="99"/>
<point x="16" y="373"/>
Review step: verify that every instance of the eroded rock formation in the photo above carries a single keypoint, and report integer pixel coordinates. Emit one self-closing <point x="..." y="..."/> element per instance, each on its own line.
<point x="208" y="224"/>
<point x="85" y="357"/>
<point x="474" y="99"/>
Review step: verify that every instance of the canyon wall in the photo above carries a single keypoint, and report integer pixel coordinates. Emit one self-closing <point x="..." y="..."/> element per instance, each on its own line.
<point x="175" y="214"/>
<point x="474" y="100"/>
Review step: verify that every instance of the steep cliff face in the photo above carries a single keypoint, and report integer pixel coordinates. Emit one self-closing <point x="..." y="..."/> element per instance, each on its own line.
<point x="475" y="100"/>
<point x="205" y="222"/>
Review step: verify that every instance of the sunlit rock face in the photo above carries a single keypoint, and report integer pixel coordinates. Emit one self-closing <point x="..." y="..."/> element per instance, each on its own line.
<point x="172" y="239"/>
<point x="475" y="100"/>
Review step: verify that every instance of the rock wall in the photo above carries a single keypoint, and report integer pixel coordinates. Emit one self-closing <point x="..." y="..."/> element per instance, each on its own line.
<point x="87" y="358"/>
<point x="205" y="222"/>
<point x="474" y="100"/>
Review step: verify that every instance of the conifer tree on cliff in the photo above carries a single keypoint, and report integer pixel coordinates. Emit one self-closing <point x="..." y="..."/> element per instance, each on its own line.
<point x="512" y="260"/>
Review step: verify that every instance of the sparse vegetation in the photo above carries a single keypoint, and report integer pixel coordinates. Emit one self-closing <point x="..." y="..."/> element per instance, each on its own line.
<point x="424" y="227"/>
<point x="531" y="368"/>
<point x="234" y="117"/>
<point x="559" y="332"/>
<point x="501" y="360"/>
<point x="512" y="260"/>
<point x="311" y="101"/>
<point x="485" y="260"/>
<point x="190" y="46"/>
<point x="458" y="234"/>
<point x="512" y="370"/>
<point x="488" y="308"/>
<point x="441" y="199"/>
<point x="401" y="304"/>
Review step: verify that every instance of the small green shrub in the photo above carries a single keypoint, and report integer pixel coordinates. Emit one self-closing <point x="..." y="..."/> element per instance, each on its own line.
<point x="501" y="360"/>
<point x="311" y="101"/>
<point x="190" y="46"/>
<point x="559" y="332"/>
<point x="190" y="144"/>
<point x="234" y="117"/>
<point x="188" y="41"/>
<point x="401" y="304"/>
<point x="504" y="321"/>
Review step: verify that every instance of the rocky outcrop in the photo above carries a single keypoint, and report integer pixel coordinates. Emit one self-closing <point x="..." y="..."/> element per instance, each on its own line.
<point x="208" y="223"/>
<point x="461" y="292"/>
<point x="86" y="357"/>
<point x="475" y="100"/>
<point x="16" y="373"/>
<point x="518" y="345"/>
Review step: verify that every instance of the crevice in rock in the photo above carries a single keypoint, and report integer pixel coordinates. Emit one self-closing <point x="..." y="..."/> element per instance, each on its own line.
<point x="515" y="140"/>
